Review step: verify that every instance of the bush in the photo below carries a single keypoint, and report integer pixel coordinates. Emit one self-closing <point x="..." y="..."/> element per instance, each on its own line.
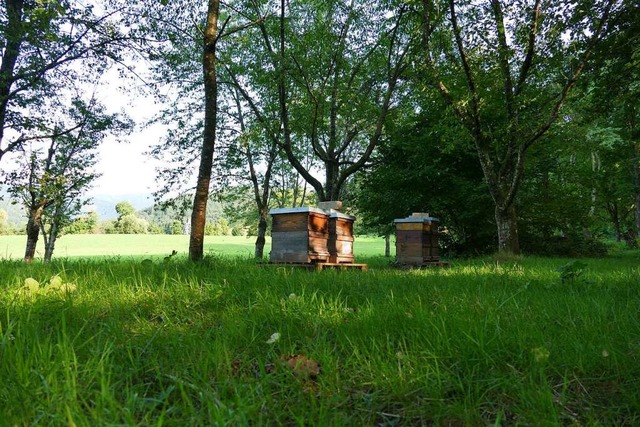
<point x="131" y="224"/>
<point x="176" y="227"/>
<point x="565" y="246"/>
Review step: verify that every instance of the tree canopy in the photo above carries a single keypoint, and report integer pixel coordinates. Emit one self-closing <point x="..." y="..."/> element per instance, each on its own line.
<point x="489" y="114"/>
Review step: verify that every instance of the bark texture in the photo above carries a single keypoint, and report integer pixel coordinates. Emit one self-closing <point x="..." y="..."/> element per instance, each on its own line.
<point x="9" y="58"/>
<point x="33" y="232"/>
<point x="199" y="212"/>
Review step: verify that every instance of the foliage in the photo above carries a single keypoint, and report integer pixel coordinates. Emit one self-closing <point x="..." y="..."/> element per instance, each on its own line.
<point x="55" y="173"/>
<point x="422" y="168"/>
<point x="505" y="71"/>
<point x="124" y="209"/>
<point x="5" y="226"/>
<point x="128" y="221"/>
<point x="572" y="271"/>
<point x="332" y="76"/>
<point x="50" y="49"/>
<point x="84" y="224"/>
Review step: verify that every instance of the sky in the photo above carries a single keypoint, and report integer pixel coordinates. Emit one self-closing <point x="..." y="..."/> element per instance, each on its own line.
<point x="124" y="167"/>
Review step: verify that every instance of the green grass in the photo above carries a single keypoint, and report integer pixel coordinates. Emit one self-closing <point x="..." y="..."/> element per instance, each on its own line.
<point x="483" y="342"/>
<point x="137" y="245"/>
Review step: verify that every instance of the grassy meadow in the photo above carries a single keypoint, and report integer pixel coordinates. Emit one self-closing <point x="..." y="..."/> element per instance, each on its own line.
<point x="150" y="245"/>
<point x="122" y="340"/>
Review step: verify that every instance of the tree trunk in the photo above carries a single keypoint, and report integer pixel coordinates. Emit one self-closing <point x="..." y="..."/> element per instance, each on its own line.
<point x="387" y="245"/>
<point x="198" y="215"/>
<point x="332" y="188"/>
<point x="507" y="224"/>
<point x="636" y="178"/>
<point x="612" y="208"/>
<point x="33" y="232"/>
<point x="50" y="242"/>
<point x="14" y="37"/>
<point x="262" y="232"/>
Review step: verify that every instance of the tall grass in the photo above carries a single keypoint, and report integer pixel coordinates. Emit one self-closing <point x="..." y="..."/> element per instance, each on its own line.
<point x="482" y="342"/>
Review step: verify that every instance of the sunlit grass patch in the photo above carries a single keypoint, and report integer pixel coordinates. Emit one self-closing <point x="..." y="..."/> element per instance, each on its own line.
<point x="225" y="341"/>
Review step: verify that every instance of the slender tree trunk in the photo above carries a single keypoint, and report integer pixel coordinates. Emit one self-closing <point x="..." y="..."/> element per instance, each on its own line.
<point x="10" y="56"/>
<point x="507" y="224"/>
<point x="636" y="178"/>
<point x="262" y="232"/>
<point x="50" y="243"/>
<point x="595" y="168"/>
<point x="198" y="215"/>
<point x="387" y="245"/>
<point x="51" y="236"/>
<point x="33" y="232"/>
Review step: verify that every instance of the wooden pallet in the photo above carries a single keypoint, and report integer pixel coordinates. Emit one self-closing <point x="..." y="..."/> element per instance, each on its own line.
<point x="341" y="266"/>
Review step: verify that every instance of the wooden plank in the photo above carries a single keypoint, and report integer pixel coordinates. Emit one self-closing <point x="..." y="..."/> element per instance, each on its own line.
<point x="318" y="222"/>
<point x="289" y="222"/>
<point x="341" y="266"/>
<point x="341" y="258"/>
<point x="413" y="226"/>
<point x="317" y="266"/>
<point x="340" y="226"/>
<point x="318" y="246"/>
<point x="289" y="257"/>
<point x="341" y="247"/>
<point x="416" y="237"/>
<point x="289" y="241"/>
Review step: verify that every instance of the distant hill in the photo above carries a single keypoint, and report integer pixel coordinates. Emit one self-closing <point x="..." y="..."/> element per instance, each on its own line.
<point x="105" y="204"/>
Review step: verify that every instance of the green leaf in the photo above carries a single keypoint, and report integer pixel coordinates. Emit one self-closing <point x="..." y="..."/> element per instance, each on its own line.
<point x="31" y="284"/>
<point x="55" y="281"/>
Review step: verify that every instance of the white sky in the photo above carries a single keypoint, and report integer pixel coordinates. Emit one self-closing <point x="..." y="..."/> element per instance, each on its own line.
<point x="124" y="167"/>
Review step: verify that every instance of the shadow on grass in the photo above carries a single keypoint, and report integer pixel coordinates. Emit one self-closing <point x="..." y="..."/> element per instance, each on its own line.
<point x="179" y="341"/>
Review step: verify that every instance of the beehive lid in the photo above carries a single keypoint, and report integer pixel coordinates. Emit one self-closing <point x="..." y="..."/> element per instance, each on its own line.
<point x="336" y="214"/>
<point x="303" y="209"/>
<point x="417" y="218"/>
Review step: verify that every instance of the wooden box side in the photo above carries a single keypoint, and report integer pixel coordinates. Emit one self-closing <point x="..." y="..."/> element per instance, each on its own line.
<point x="318" y="223"/>
<point x="289" y="222"/>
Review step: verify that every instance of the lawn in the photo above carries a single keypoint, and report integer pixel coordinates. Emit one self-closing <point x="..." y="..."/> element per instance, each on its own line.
<point x="137" y="245"/>
<point x="124" y="341"/>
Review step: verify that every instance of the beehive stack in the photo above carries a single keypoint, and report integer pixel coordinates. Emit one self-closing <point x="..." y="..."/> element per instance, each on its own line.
<point x="306" y="235"/>
<point x="417" y="240"/>
<point x="340" y="243"/>
<point x="299" y="235"/>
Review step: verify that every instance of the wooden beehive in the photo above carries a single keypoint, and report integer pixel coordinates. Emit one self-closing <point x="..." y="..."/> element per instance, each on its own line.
<point x="417" y="240"/>
<point x="340" y="237"/>
<point x="299" y="235"/>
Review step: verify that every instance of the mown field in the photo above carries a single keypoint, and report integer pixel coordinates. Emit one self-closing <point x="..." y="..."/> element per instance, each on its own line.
<point x="138" y="245"/>
<point x="124" y="341"/>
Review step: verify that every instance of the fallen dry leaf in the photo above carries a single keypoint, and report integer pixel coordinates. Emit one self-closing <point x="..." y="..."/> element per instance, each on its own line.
<point x="301" y="366"/>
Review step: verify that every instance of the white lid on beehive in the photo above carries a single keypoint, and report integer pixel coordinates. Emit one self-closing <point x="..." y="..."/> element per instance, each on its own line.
<point x="302" y="209"/>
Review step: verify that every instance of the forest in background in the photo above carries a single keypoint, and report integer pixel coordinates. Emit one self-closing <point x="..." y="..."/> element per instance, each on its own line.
<point x="515" y="123"/>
